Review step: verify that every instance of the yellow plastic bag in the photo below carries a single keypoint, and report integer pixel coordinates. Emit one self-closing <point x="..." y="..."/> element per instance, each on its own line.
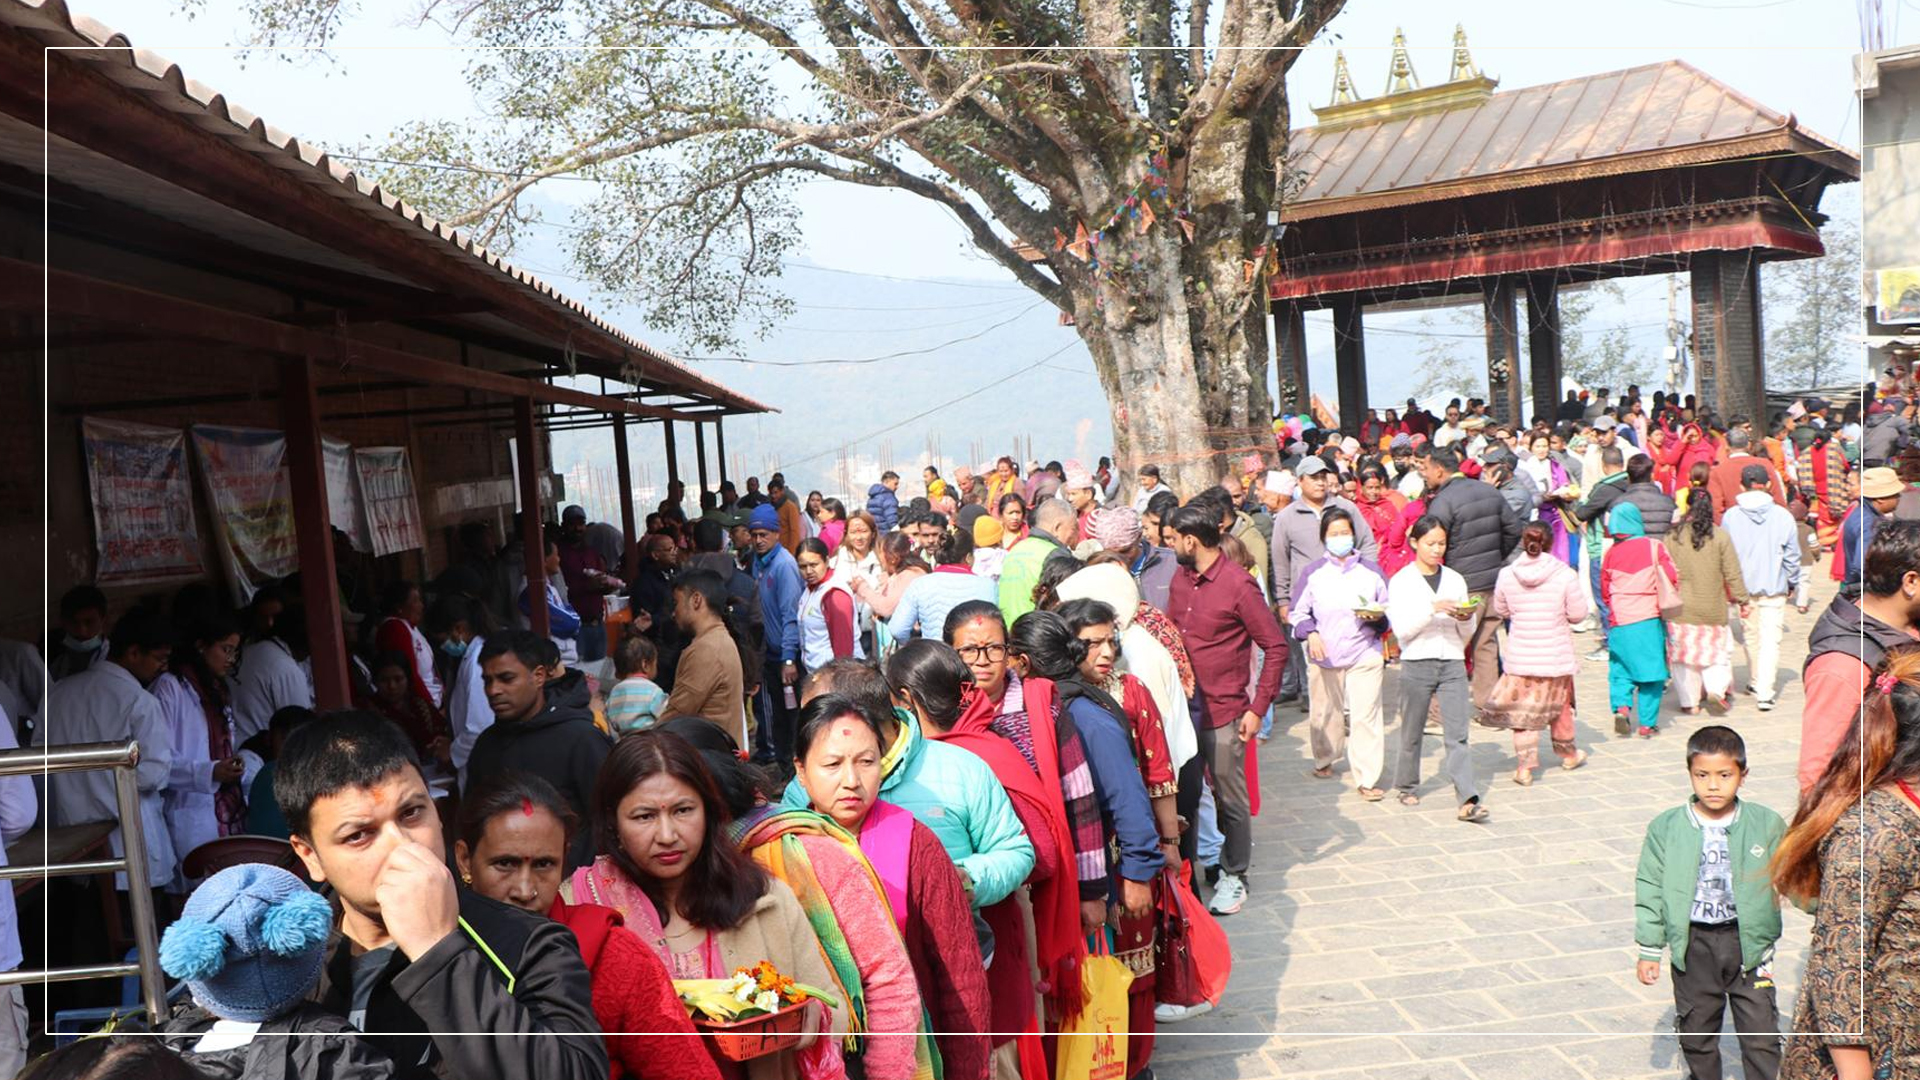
<point x="1093" y="1044"/>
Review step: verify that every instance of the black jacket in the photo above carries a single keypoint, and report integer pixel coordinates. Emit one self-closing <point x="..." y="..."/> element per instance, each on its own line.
<point x="506" y="995"/>
<point x="652" y="592"/>
<point x="1656" y="506"/>
<point x="1600" y="499"/>
<point x="561" y="746"/>
<point x="1844" y="628"/>
<point x="308" y="1043"/>
<point x="1482" y="530"/>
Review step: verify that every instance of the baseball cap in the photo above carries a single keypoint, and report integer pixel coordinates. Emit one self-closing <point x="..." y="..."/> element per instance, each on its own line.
<point x="1311" y="464"/>
<point x="1603" y="423"/>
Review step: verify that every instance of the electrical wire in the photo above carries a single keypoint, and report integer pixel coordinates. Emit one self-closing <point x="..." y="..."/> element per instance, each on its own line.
<point x="872" y="359"/>
<point x="976" y="392"/>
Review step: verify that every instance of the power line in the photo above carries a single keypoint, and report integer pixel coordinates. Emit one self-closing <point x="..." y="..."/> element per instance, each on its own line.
<point x="872" y="359"/>
<point x="921" y="416"/>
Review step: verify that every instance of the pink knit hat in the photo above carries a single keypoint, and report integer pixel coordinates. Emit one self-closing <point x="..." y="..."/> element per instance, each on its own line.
<point x="1077" y="476"/>
<point x="1117" y="528"/>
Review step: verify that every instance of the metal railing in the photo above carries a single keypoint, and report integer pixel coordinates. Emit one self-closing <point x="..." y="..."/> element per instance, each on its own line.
<point x="121" y="758"/>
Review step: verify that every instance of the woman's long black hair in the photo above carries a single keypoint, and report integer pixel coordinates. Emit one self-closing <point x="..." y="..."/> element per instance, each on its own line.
<point x="723" y="884"/>
<point x="1050" y="641"/>
<point x="1699" y="518"/>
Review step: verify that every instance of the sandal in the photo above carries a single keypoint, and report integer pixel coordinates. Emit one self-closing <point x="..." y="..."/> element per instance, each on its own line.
<point x="1323" y="772"/>
<point x="1408" y="798"/>
<point x="1623" y="721"/>
<point x="1473" y="813"/>
<point x="1646" y="731"/>
<point x="1523" y="777"/>
<point x="1574" y="762"/>
<point x="1372" y="794"/>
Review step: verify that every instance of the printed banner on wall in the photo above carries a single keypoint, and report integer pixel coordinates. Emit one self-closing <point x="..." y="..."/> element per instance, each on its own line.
<point x="344" y="505"/>
<point x="387" y="493"/>
<point x="1899" y="300"/>
<point x="251" y="495"/>
<point x="142" y="502"/>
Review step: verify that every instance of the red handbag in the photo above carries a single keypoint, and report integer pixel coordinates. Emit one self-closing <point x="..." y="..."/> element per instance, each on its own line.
<point x="1176" y="976"/>
<point x="1194" y="958"/>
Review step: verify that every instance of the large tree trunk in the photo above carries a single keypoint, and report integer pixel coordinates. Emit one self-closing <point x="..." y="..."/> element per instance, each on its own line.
<point x="1178" y="330"/>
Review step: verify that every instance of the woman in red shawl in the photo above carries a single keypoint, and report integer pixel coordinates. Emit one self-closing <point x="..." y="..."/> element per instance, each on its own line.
<point x="1379" y="504"/>
<point x="512" y="848"/>
<point x="1693" y="446"/>
<point x="1659" y="442"/>
<point x="1062" y="904"/>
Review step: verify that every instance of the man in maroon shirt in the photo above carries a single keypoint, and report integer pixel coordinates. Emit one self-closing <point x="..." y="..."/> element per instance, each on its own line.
<point x="1223" y="615"/>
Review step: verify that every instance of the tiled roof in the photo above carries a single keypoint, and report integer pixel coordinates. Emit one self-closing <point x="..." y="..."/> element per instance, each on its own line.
<point x="163" y="84"/>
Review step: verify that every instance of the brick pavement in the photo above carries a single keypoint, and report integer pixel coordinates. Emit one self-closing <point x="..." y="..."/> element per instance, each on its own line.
<point x="1386" y="942"/>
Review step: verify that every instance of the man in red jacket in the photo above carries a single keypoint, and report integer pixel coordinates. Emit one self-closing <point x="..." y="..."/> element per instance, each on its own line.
<point x="1723" y="483"/>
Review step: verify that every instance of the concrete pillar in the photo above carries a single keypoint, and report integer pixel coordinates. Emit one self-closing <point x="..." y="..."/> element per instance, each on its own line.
<point x="1543" y="343"/>
<point x="1350" y="360"/>
<point x="1729" y="364"/>
<point x="1290" y="336"/>
<point x="1503" y="349"/>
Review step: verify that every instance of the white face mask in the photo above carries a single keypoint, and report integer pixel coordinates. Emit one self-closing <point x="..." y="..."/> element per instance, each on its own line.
<point x="1339" y="546"/>
<point x="77" y="645"/>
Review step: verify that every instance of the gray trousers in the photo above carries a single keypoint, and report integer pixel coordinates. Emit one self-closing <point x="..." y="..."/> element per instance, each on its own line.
<point x="1227" y="764"/>
<point x="1422" y="682"/>
<point x="1712" y="981"/>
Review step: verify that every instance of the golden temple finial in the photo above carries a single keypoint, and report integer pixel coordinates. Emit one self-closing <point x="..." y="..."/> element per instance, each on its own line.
<point x="1343" y="92"/>
<point x="1463" y="67"/>
<point x="1400" y="76"/>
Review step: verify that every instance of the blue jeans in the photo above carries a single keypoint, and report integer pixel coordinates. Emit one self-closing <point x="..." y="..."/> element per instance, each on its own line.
<point x="593" y="641"/>
<point x="1599" y="605"/>
<point x="1211" y="839"/>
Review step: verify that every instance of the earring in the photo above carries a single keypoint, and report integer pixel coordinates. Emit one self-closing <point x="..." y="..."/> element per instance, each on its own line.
<point x="466" y="878"/>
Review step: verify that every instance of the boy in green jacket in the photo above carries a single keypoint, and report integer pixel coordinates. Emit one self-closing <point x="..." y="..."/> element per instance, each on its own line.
<point x="1702" y="893"/>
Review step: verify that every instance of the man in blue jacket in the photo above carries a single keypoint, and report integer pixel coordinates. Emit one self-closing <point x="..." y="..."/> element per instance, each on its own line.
<point x="882" y="503"/>
<point x="778" y="578"/>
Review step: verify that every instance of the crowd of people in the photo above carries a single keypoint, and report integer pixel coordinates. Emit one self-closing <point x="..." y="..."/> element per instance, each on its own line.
<point x="931" y="753"/>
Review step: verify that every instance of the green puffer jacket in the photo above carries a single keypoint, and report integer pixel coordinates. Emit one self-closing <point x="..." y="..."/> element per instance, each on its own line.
<point x="954" y="793"/>
<point x="1670" y="869"/>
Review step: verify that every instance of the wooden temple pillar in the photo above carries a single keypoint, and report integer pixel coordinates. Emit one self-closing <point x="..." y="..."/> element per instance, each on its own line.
<point x="623" y="473"/>
<point x="1350" y="360"/>
<point x="1290" y="339"/>
<point x="313" y="533"/>
<point x="700" y="455"/>
<point x="720" y="444"/>
<point x="1503" y="349"/>
<point x="532" y="536"/>
<point x="1544" y="361"/>
<point x="1729" y="364"/>
<point x="673" y="453"/>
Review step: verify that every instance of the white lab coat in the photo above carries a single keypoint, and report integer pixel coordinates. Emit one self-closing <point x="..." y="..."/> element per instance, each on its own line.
<point x="191" y="819"/>
<point x="270" y="680"/>
<point x="105" y="703"/>
<point x="18" y="809"/>
<point x="467" y="710"/>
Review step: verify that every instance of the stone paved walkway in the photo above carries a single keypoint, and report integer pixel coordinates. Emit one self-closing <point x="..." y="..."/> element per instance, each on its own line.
<point x="1387" y="942"/>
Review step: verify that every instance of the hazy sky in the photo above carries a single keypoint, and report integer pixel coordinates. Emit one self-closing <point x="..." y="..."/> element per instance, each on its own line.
<point x="1791" y="55"/>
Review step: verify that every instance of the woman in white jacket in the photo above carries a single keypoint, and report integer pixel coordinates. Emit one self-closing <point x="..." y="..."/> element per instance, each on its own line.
<point x="1431" y="615"/>
<point x="205" y="795"/>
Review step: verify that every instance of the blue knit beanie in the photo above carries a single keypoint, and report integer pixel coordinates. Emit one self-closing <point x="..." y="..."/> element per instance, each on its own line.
<point x="764" y="517"/>
<point x="250" y="943"/>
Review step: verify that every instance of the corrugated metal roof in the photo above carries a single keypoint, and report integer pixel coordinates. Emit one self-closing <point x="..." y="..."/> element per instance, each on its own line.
<point x="163" y="84"/>
<point x="1598" y="124"/>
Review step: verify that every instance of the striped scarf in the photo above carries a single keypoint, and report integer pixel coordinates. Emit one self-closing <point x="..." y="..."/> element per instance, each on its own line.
<point x="756" y="834"/>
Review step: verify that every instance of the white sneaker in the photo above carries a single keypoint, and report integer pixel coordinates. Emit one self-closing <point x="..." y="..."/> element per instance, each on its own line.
<point x="1766" y="706"/>
<point x="1164" y="1013"/>
<point x="1230" y="896"/>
